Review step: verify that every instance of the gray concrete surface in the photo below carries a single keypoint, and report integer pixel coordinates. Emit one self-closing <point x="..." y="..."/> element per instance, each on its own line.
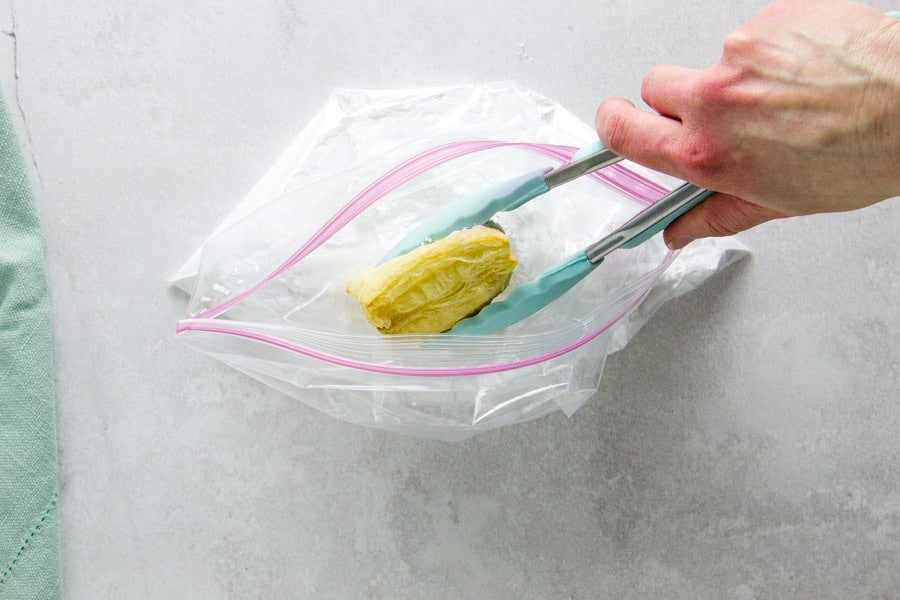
<point x="743" y="446"/>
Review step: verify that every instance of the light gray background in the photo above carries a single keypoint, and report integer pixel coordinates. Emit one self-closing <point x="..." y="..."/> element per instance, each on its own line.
<point x="745" y="445"/>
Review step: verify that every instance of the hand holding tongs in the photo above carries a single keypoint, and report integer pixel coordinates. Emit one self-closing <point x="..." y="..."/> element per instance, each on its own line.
<point x="528" y="298"/>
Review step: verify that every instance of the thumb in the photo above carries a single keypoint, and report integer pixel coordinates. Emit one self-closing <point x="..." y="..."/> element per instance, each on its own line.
<point x="721" y="215"/>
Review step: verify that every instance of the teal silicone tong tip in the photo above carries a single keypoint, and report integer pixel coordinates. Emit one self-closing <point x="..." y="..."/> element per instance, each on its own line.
<point x="473" y="209"/>
<point x="525" y="300"/>
<point x="528" y="298"/>
<point x="478" y="208"/>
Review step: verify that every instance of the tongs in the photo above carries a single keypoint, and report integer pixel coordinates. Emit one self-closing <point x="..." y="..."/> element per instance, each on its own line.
<point x="527" y="299"/>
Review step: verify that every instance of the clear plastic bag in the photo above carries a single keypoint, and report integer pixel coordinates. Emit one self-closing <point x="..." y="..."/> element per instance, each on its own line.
<point x="268" y="288"/>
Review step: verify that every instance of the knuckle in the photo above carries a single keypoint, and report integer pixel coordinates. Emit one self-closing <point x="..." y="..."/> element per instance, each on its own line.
<point x="736" y="42"/>
<point x="702" y="160"/>
<point x="705" y="93"/>
<point x="711" y="89"/>
<point x="724" y="225"/>
<point x="732" y="215"/>
<point x="648" y="83"/>
<point x="614" y="130"/>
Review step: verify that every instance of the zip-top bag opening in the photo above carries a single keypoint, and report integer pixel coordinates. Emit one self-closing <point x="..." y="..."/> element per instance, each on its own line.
<point x="268" y="293"/>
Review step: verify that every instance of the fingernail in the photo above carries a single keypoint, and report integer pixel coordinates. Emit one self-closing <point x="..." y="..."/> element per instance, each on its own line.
<point x="679" y="242"/>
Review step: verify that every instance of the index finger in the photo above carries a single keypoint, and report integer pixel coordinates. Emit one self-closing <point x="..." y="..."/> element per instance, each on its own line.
<point x="641" y="136"/>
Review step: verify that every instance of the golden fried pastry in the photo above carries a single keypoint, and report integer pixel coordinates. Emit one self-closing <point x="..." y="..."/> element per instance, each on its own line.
<point x="432" y="287"/>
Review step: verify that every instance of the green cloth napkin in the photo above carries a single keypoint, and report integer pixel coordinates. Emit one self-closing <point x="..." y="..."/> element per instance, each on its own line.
<point x="29" y="514"/>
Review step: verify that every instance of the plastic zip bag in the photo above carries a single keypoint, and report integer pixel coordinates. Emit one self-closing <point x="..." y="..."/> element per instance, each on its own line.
<point x="268" y="289"/>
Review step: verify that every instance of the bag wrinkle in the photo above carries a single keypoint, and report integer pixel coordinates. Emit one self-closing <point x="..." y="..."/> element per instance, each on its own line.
<point x="278" y="325"/>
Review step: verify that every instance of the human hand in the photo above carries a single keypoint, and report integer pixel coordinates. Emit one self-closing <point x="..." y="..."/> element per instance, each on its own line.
<point x="801" y="115"/>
